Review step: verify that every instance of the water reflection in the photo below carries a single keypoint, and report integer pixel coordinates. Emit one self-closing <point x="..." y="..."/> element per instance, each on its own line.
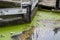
<point x="44" y="33"/>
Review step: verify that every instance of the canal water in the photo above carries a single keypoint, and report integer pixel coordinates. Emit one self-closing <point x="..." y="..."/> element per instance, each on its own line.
<point x="47" y="27"/>
<point x="47" y="32"/>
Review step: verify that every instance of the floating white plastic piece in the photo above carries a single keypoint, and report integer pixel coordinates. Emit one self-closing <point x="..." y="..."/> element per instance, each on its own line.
<point x="12" y="33"/>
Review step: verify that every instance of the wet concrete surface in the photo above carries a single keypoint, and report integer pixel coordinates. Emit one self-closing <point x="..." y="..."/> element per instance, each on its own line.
<point x="49" y="30"/>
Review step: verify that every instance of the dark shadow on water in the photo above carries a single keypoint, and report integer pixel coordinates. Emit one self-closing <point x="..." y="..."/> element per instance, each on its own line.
<point x="13" y="23"/>
<point x="56" y="30"/>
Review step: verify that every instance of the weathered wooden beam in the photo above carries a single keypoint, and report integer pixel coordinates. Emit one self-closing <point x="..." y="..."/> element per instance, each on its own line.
<point x="4" y="4"/>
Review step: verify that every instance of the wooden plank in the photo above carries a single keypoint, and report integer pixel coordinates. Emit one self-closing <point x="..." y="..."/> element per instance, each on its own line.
<point x="17" y="1"/>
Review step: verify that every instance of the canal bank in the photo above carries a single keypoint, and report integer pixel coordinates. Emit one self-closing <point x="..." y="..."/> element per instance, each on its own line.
<point x="40" y="15"/>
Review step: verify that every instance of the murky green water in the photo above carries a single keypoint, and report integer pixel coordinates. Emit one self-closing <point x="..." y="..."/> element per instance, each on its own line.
<point x="5" y="31"/>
